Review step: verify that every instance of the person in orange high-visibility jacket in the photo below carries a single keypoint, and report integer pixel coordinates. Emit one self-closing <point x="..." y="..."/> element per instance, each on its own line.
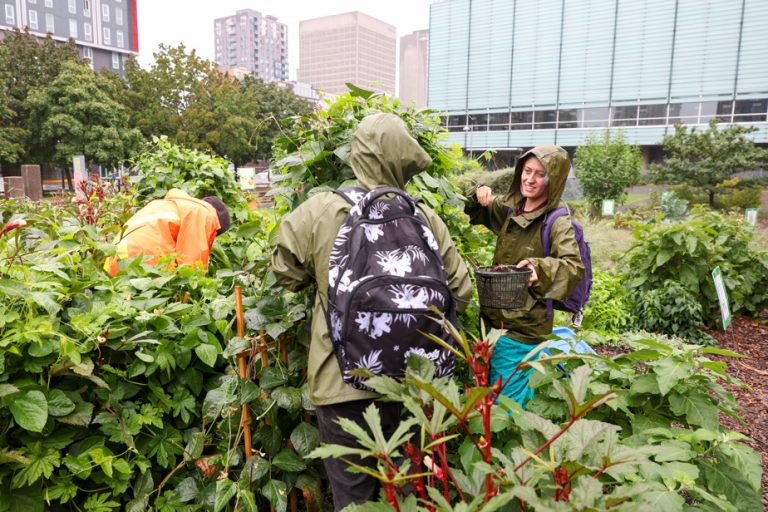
<point x="177" y="224"/>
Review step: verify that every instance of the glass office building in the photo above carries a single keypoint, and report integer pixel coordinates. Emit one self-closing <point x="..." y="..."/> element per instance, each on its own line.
<point x="517" y="73"/>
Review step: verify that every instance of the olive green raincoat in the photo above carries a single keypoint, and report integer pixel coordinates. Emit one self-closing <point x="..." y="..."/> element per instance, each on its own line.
<point x="519" y="238"/>
<point x="383" y="154"/>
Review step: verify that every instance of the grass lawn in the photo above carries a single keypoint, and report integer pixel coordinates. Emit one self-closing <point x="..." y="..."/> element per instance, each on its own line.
<point x="607" y="243"/>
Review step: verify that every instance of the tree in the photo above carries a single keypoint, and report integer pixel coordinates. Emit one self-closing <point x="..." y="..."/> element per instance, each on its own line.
<point x="27" y="63"/>
<point x="704" y="159"/>
<point x="77" y="115"/>
<point x="606" y="166"/>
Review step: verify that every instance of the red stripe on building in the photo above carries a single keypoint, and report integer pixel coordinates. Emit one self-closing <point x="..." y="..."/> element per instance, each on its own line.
<point x="135" y="25"/>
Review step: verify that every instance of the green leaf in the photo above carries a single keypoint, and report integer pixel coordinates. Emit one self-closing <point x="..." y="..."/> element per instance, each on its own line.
<point x="59" y="404"/>
<point x="272" y="378"/>
<point x="43" y="462"/>
<point x="255" y="468"/>
<point x="225" y="490"/>
<point x="207" y="354"/>
<point x="287" y="398"/>
<point x="30" y="410"/>
<point x="743" y="458"/>
<point x="288" y="460"/>
<point x="723" y="479"/>
<point x="80" y="416"/>
<point x="276" y="491"/>
<point x="305" y="438"/>
<point x="697" y="408"/>
<point x="669" y="371"/>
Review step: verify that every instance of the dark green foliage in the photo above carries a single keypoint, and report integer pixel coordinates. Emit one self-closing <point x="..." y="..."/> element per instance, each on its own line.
<point x="686" y="252"/>
<point x="704" y="159"/>
<point x="76" y="115"/>
<point x="669" y="309"/>
<point x="164" y="165"/>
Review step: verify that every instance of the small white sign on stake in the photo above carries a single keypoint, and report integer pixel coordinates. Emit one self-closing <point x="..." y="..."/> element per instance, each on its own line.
<point x="722" y="297"/>
<point x="608" y="207"/>
<point x="750" y="215"/>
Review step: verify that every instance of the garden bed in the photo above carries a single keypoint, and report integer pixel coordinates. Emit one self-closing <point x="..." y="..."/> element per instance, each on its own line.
<point x="750" y="338"/>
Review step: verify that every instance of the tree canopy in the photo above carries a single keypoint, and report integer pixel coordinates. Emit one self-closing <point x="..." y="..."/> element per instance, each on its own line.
<point x="706" y="158"/>
<point x="52" y="106"/>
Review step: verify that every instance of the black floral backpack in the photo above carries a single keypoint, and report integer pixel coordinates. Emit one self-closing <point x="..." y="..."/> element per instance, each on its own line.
<point x="385" y="271"/>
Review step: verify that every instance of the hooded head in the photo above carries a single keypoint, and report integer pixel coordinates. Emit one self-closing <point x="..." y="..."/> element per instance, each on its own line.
<point x="385" y="154"/>
<point x="221" y="211"/>
<point x="555" y="160"/>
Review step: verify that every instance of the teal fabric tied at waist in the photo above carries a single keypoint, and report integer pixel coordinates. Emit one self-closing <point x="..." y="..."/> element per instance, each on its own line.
<point x="507" y="354"/>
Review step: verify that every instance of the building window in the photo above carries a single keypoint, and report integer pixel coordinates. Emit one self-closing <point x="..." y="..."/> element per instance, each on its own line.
<point x="499" y="121"/>
<point x="87" y="8"/>
<point x="71" y="6"/>
<point x="544" y="119"/>
<point x="568" y="118"/>
<point x="33" y="20"/>
<point x="49" y="3"/>
<point x="624" y="116"/>
<point x="87" y="33"/>
<point x="49" y="27"/>
<point x="521" y="120"/>
<point x="750" y="110"/>
<point x="119" y="16"/>
<point x="73" y="29"/>
<point x="10" y="17"/>
<point x="115" y="61"/>
<point x="119" y="38"/>
<point x="107" y="36"/>
<point x="105" y="12"/>
<point x="652" y="114"/>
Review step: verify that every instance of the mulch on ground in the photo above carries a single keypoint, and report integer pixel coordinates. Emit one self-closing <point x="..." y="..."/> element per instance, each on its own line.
<point x="749" y="337"/>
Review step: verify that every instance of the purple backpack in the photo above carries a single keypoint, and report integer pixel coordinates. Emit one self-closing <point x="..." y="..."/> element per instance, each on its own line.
<point x="384" y="273"/>
<point x="580" y="295"/>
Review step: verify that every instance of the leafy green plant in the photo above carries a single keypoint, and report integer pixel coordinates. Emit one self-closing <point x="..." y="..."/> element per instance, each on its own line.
<point x="634" y="431"/>
<point x="606" y="166"/>
<point x="609" y="306"/>
<point x="687" y="251"/>
<point x="670" y="309"/>
<point x="164" y="165"/>
<point x="672" y="206"/>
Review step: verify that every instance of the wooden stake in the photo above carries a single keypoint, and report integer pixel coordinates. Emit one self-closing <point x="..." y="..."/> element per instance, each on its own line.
<point x="245" y="421"/>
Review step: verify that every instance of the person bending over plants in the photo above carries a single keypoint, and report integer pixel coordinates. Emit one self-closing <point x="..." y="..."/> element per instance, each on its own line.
<point x="517" y="218"/>
<point x="176" y="224"/>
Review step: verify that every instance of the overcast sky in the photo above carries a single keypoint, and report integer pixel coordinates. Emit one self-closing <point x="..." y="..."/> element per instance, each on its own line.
<point x="184" y="21"/>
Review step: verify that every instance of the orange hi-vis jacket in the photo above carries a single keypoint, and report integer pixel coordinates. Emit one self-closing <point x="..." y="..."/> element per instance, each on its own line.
<point x="177" y="224"/>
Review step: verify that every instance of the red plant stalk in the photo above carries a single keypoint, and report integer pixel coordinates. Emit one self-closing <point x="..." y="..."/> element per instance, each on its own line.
<point x="415" y="456"/>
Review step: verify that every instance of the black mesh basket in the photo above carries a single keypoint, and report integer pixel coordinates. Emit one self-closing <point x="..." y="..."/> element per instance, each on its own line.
<point x="502" y="288"/>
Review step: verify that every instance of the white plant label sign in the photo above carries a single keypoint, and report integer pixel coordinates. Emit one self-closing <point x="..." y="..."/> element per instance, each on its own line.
<point x="722" y="297"/>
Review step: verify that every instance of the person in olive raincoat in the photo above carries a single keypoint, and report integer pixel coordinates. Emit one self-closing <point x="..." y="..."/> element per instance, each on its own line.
<point x="517" y="218"/>
<point x="383" y="153"/>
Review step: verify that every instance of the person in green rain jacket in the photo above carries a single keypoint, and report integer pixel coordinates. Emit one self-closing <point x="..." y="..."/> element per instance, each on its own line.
<point x="517" y="218"/>
<point x="383" y="153"/>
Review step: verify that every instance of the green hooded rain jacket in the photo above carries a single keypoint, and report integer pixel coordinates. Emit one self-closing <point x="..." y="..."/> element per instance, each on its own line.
<point x="383" y="154"/>
<point x="519" y="238"/>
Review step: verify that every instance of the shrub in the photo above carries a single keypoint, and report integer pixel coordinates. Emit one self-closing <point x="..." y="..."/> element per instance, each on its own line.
<point x="686" y="252"/>
<point x="738" y="194"/>
<point x="164" y="165"/>
<point x="609" y="307"/>
<point x="670" y="309"/>
<point x="672" y="206"/>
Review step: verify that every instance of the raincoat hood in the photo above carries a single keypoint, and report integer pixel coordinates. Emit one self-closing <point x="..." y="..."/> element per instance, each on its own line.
<point x="385" y="154"/>
<point x="555" y="160"/>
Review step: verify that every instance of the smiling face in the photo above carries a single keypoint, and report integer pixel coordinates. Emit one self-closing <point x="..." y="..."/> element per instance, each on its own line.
<point x="534" y="182"/>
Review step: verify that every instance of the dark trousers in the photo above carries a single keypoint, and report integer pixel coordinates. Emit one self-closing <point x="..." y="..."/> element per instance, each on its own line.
<point x="353" y="487"/>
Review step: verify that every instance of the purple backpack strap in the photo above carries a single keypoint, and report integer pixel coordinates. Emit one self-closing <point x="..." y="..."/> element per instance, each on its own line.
<point x="546" y="239"/>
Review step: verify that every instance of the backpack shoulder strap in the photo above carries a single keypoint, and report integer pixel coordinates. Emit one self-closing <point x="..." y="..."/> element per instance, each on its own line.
<point x="343" y="193"/>
<point x="546" y="239"/>
<point x="546" y="230"/>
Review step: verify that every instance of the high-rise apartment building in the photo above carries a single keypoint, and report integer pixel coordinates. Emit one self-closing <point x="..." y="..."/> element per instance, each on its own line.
<point x="351" y="47"/>
<point x="105" y="31"/>
<point x="413" y="68"/>
<point x="252" y="41"/>
<point x="517" y="74"/>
